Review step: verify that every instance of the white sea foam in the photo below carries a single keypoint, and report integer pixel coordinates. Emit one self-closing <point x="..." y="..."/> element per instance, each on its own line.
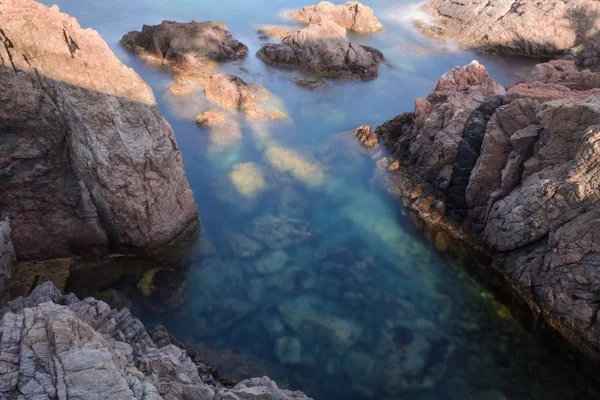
<point x="407" y="14"/>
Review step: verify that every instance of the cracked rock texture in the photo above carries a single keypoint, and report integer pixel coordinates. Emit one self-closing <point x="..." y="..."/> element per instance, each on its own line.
<point x="352" y="15"/>
<point x="523" y="27"/>
<point x="88" y="163"/>
<point x="7" y="254"/>
<point x="57" y="346"/>
<point x="324" y="50"/>
<point x="516" y="172"/>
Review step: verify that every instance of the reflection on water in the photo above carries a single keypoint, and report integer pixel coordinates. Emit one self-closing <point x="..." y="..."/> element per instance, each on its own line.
<point x="308" y="268"/>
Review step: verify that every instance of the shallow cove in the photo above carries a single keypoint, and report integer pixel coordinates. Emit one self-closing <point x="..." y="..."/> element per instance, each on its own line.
<point x="351" y="302"/>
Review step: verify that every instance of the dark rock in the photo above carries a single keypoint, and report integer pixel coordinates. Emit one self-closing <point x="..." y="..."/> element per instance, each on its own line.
<point x="324" y="50"/>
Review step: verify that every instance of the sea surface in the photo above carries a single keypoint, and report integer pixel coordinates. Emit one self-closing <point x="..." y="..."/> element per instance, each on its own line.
<point x="341" y="296"/>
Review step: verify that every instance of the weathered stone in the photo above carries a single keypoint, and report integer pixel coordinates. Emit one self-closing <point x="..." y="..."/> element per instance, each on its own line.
<point x="529" y="161"/>
<point x="523" y="27"/>
<point x="88" y="162"/>
<point x="57" y="346"/>
<point x="324" y="50"/>
<point x="352" y="15"/>
<point x="365" y="137"/>
<point x="186" y="43"/>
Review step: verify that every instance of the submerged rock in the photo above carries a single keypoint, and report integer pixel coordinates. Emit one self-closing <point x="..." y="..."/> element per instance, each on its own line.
<point x="278" y="232"/>
<point x="60" y="346"/>
<point x="242" y="246"/>
<point x="272" y="263"/>
<point x="164" y="289"/>
<point x="248" y="179"/>
<point x="89" y="163"/>
<point x="210" y="118"/>
<point x="324" y="50"/>
<point x="352" y="15"/>
<point x="310" y="83"/>
<point x="310" y="318"/>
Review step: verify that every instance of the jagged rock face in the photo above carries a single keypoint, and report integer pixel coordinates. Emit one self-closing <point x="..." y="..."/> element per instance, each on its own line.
<point x="352" y="15"/>
<point x="57" y="346"/>
<point x="186" y="43"/>
<point x="524" y="182"/>
<point x="524" y="27"/>
<point x="7" y="254"/>
<point x="324" y="50"/>
<point x="88" y="162"/>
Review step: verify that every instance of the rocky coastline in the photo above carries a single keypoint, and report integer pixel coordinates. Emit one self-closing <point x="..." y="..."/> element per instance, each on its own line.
<point x="511" y="172"/>
<point x="93" y="171"/>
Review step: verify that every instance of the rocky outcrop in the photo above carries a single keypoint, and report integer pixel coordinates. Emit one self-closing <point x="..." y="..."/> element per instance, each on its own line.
<point x="524" y="27"/>
<point x="7" y="254"/>
<point x="194" y="51"/>
<point x="517" y="174"/>
<point x="57" y="346"/>
<point x="186" y="43"/>
<point x="352" y="15"/>
<point x="88" y="163"/>
<point x="324" y="50"/>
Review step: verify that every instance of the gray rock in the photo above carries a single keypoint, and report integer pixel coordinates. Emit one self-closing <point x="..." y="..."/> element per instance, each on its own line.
<point x="57" y="346"/>
<point x="324" y="50"/>
<point x="532" y="189"/>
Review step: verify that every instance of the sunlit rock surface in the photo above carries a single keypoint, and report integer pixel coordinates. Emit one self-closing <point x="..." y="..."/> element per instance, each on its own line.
<point x="524" y="27"/>
<point x="57" y="346"/>
<point x="324" y="49"/>
<point x="516" y="172"/>
<point x="352" y="15"/>
<point x="89" y="164"/>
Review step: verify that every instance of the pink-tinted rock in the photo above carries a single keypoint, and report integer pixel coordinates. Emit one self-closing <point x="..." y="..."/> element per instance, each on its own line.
<point x="352" y="15"/>
<point x="89" y="164"/>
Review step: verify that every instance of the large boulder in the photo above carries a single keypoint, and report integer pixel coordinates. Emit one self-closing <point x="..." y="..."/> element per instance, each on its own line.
<point x="352" y="15"/>
<point x="516" y="175"/>
<point x="324" y="50"/>
<point x="89" y="164"/>
<point x="186" y="43"/>
<point x="57" y="346"/>
<point x="522" y="27"/>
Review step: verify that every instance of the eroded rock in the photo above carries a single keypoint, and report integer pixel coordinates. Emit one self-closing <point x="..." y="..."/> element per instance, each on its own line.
<point x="56" y="345"/>
<point x="324" y="50"/>
<point x="89" y="164"/>
<point x="352" y="15"/>
<point x="523" y="182"/>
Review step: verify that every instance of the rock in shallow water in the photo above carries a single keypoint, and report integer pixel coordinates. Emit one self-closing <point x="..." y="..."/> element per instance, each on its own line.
<point x="278" y="233"/>
<point x="324" y="50"/>
<point x="57" y="346"/>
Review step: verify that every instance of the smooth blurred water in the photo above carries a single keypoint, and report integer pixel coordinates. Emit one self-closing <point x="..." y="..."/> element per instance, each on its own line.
<point x="365" y="308"/>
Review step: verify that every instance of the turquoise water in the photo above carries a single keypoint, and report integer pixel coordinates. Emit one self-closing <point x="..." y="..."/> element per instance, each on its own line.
<point x="351" y="302"/>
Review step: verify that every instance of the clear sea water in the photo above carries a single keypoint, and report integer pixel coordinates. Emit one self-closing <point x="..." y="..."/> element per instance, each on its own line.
<point x="362" y="306"/>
